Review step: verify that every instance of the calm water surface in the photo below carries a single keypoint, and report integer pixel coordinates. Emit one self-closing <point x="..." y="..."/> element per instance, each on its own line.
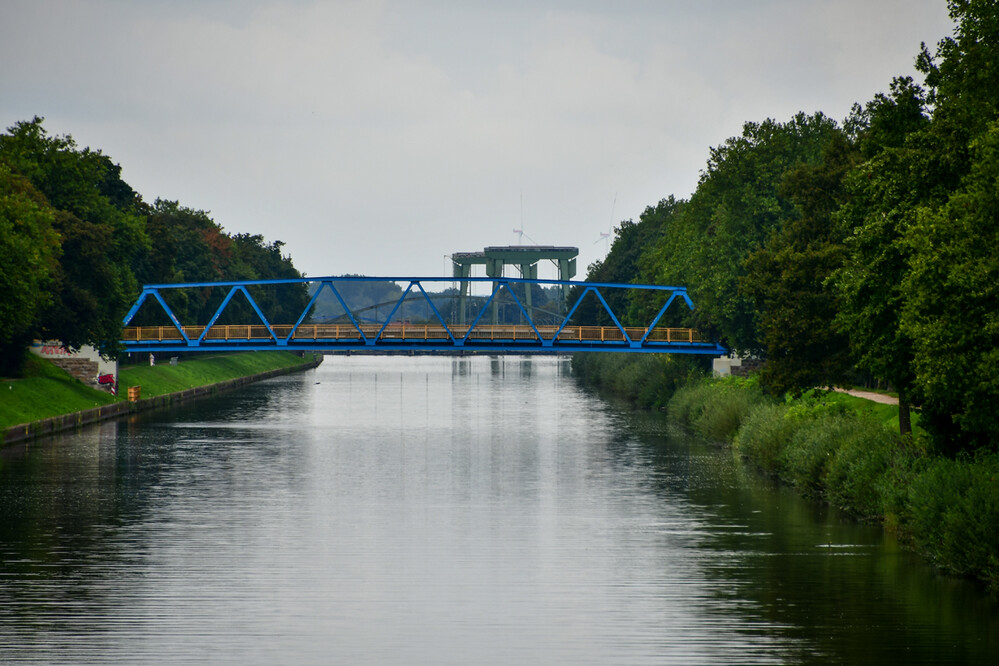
<point x="443" y="511"/>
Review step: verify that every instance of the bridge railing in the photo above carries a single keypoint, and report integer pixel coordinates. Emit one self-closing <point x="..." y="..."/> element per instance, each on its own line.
<point x="407" y="332"/>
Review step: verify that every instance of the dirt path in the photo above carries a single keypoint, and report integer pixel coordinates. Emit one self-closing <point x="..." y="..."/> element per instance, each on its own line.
<point x="870" y="395"/>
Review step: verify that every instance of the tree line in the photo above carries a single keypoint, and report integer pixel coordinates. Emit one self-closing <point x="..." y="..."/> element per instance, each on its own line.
<point x="77" y="242"/>
<point x="853" y="250"/>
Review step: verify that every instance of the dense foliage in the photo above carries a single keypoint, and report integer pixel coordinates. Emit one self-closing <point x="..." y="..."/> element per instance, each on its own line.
<point x="737" y="205"/>
<point x="830" y="447"/>
<point x="29" y="252"/>
<point x="866" y="250"/>
<point x="76" y="241"/>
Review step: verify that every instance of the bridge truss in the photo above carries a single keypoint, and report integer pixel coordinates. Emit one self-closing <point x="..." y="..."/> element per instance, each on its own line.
<point x="395" y="336"/>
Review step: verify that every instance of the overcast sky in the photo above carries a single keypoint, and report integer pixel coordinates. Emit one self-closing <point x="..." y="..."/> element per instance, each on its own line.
<point x="378" y="137"/>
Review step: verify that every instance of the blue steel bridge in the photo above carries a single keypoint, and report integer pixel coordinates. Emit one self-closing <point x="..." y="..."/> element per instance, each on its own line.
<point x="394" y="335"/>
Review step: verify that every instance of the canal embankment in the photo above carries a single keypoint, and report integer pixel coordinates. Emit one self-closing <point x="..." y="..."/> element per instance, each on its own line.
<point x="842" y="449"/>
<point x="50" y="401"/>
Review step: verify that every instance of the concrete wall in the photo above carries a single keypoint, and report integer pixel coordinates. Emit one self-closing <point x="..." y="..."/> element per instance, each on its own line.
<point x="722" y="366"/>
<point x="86" y="365"/>
<point x="734" y="365"/>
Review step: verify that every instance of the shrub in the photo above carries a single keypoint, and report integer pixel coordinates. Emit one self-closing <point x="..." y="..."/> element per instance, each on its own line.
<point x="646" y="380"/>
<point x="688" y="403"/>
<point x="954" y="513"/>
<point x="639" y="380"/>
<point x="909" y="458"/>
<point x="764" y="434"/>
<point x="714" y="408"/>
<point x="813" y="443"/>
<point x="724" y="411"/>
<point x="857" y="477"/>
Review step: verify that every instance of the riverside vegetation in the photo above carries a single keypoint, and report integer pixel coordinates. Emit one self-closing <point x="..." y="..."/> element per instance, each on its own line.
<point x="856" y="253"/>
<point x="831" y="446"/>
<point x="948" y="509"/>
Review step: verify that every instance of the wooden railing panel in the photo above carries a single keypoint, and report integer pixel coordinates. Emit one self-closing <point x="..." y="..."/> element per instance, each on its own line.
<point x="407" y="332"/>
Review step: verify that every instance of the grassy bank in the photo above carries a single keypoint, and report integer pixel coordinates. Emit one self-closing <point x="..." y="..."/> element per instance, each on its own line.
<point x="165" y="378"/>
<point x="843" y="450"/>
<point x="46" y="391"/>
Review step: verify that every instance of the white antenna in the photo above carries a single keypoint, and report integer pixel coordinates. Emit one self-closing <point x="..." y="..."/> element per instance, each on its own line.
<point x="520" y="232"/>
<point x="605" y="237"/>
<point x="520" y="236"/>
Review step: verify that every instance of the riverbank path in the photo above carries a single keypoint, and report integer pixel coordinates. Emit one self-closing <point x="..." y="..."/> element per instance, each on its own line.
<point x="870" y="395"/>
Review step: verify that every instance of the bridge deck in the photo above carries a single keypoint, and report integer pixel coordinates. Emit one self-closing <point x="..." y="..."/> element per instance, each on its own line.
<point x="333" y="337"/>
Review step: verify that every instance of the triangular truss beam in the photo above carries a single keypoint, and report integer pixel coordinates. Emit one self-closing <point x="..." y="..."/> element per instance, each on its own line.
<point x="324" y="284"/>
<point x="462" y="340"/>
<point x="398" y="304"/>
<point x="607" y="309"/>
<point x="225" y="303"/>
<point x="152" y="291"/>
<point x="497" y="287"/>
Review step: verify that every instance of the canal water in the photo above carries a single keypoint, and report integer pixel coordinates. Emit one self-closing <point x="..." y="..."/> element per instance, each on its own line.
<point x="443" y="511"/>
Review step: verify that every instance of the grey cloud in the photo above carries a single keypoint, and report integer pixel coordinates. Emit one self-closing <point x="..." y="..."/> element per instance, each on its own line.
<point x="378" y="136"/>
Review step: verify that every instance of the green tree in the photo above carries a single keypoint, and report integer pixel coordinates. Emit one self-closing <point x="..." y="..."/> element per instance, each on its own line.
<point x="88" y="299"/>
<point x="963" y="81"/>
<point x="101" y="232"/>
<point x="949" y="309"/>
<point x="186" y="245"/>
<point x="884" y="195"/>
<point x="950" y="313"/>
<point x="737" y="205"/>
<point x="109" y="240"/>
<point x="787" y="279"/>
<point x="29" y="251"/>
<point x="869" y="283"/>
<point x="909" y="197"/>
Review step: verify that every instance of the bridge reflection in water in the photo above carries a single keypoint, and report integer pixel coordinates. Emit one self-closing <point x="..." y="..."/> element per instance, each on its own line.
<point x="393" y="336"/>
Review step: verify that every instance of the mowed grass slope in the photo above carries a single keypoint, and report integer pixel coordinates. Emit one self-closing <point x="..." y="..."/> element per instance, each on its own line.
<point x="165" y="378"/>
<point x="46" y="391"/>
